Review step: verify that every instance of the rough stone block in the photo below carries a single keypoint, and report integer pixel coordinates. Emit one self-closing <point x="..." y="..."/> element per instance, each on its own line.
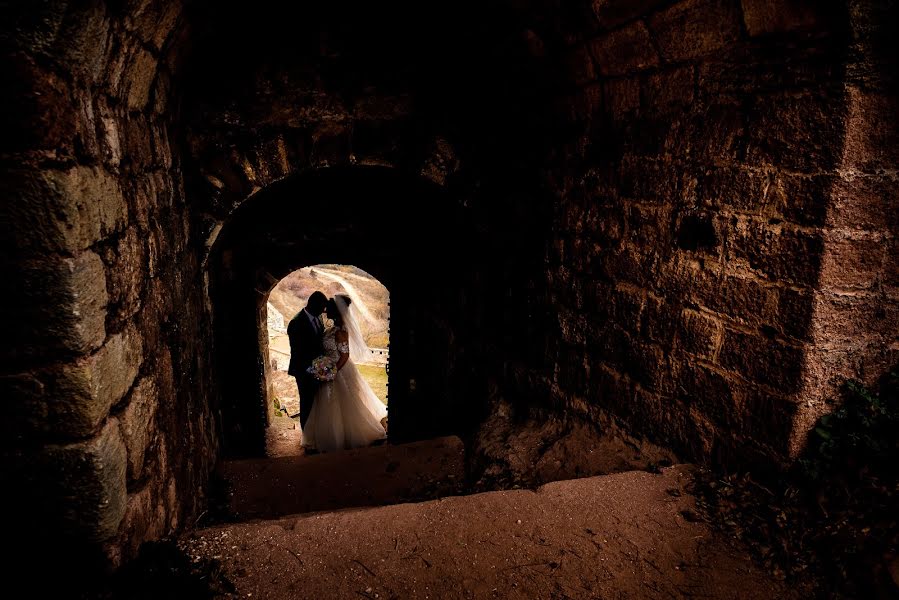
<point x="125" y="267"/>
<point x="628" y="264"/>
<point x="138" y="424"/>
<point x="85" y="485"/>
<point x="763" y="360"/>
<point x="779" y="253"/>
<point x="36" y="107"/>
<point x="698" y="334"/>
<point x="658" y="182"/>
<point x="805" y="200"/>
<point x="865" y="202"/>
<point x="739" y="189"/>
<point x="122" y="46"/>
<point x="780" y="16"/>
<point x="140" y="72"/>
<point x="59" y="211"/>
<point x="610" y="389"/>
<point x="669" y="90"/>
<point x="145" y="518"/>
<point x="610" y="229"/>
<point x="580" y="66"/>
<point x="871" y="132"/>
<point x="109" y="135"/>
<point x="608" y="306"/>
<point x="82" y="42"/>
<point x="33" y="27"/>
<point x="152" y="193"/>
<point x="153" y="22"/>
<point x="161" y="92"/>
<point x="649" y="226"/>
<point x="137" y="143"/>
<point x="769" y="418"/>
<point x="658" y="319"/>
<point x="647" y="365"/>
<point x="854" y="321"/>
<point x="890" y="274"/>
<point x="800" y="133"/>
<point x="72" y="399"/>
<point x="624" y="50"/>
<point x="850" y="261"/>
<point x="159" y="139"/>
<point x="717" y="135"/>
<point x="57" y="306"/>
<point x="695" y="28"/>
<point x="751" y="301"/>
<point x="710" y="392"/>
<point x="621" y="98"/>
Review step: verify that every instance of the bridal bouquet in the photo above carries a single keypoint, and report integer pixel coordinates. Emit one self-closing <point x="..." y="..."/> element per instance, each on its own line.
<point x="323" y="369"/>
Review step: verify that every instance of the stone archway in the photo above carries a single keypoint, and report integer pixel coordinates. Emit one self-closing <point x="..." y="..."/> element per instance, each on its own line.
<point x="285" y="302"/>
<point x="382" y="221"/>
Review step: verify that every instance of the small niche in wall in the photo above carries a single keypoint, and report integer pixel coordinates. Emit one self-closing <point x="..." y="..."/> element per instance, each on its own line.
<point x="696" y="232"/>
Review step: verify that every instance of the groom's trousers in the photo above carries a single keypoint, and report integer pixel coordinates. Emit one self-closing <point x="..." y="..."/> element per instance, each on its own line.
<point x="307" y="386"/>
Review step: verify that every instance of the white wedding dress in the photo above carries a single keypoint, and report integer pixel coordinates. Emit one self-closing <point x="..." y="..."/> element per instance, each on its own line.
<point x="346" y="413"/>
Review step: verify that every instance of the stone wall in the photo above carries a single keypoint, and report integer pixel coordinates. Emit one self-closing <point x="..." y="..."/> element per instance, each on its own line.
<point x="682" y="212"/>
<point x="106" y="353"/>
<point x="710" y="264"/>
<point x="856" y="306"/>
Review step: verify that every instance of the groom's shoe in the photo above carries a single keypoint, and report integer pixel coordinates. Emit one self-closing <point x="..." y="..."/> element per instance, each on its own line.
<point x="310" y="451"/>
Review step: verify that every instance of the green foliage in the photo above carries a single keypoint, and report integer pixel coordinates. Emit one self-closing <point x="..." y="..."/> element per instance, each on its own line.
<point x="862" y="431"/>
<point x="836" y="515"/>
<point x="275" y="410"/>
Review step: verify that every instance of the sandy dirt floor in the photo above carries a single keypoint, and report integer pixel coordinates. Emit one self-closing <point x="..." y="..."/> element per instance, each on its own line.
<point x="628" y="535"/>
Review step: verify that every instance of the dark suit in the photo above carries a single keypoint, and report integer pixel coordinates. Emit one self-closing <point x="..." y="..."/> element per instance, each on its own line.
<point x="305" y="346"/>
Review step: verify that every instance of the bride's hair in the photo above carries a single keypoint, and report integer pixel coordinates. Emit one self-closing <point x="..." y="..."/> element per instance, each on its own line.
<point x="333" y="311"/>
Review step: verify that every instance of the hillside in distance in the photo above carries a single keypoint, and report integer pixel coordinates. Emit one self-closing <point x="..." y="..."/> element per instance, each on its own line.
<point x="370" y="298"/>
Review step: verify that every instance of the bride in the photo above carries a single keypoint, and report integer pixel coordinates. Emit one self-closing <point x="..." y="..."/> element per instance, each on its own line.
<point x="346" y="412"/>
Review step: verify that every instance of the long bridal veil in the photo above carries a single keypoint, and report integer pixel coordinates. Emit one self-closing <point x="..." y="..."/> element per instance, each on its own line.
<point x="359" y="352"/>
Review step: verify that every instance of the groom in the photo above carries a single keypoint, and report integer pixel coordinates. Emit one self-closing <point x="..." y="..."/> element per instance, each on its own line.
<point x="305" y="333"/>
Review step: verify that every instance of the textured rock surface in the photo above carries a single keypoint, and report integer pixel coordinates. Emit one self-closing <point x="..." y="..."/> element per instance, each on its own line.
<point x="681" y="213"/>
<point x="632" y="535"/>
<point x="698" y="237"/>
<point x="90" y="476"/>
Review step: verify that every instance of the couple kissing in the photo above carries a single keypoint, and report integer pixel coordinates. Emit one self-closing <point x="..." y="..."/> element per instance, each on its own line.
<point x="338" y="409"/>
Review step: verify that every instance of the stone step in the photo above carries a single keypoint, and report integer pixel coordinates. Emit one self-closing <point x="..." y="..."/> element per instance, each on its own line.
<point x="378" y="475"/>
<point x="628" y="535"/>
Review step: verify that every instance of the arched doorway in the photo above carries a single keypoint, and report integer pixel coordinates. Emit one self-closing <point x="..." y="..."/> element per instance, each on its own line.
<point x="385" y="223"/>
<point x="371" y="302"/>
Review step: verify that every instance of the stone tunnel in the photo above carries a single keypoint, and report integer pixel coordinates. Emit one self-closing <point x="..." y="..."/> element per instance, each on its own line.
<point x="680" y="213"/>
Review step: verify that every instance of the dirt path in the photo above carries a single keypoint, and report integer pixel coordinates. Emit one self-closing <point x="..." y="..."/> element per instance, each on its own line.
<point x="284" y="438"/>
<point x="629" y="535"/>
